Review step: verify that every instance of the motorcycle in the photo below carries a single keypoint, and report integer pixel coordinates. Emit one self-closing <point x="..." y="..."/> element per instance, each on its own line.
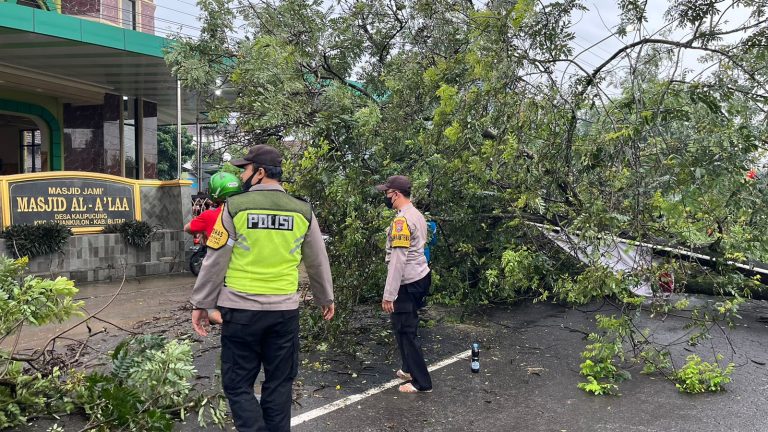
<point x="198" y="254"/>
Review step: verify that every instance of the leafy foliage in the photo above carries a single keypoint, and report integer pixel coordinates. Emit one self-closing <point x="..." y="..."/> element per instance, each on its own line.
<point x="135" y="233"/>
<point x="620" y="337"/>
<point x="159" y="369"/>
<point x="599" y="366"/>
<point x="523" y="271"/>
<point x="167" y="151"/>
<point x="24" y="395"/>
<point x="698" y="376"/>
<point x="655" y="360"/>
<point x="29" y="300"/>
<point x="464" y="99"/>
<point x="492" y="112"/>
<point x="36" y="240"/>
<point x="148" y="388"/>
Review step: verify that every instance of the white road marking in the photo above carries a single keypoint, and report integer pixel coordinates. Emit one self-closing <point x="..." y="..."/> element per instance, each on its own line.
<point x="341" y="403"/>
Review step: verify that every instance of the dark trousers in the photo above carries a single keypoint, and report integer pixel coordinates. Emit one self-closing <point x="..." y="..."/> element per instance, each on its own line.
<point x="405" y="325"/>
<point x="250" y="339"/>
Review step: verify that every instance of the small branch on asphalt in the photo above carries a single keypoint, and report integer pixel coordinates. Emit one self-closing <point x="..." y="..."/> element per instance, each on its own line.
<point x="72" y="327"/>
<point x="352" y="373"/>
<point x="19" y="327"/>
<point x="210" y="348"/>
<point x="97" y="425"/>
<point x="575" y="330"/>
<point x="501" y="324"/>
<point x="92" y="364"/>
<point x="727" y="338"/>
<point x="85" y="344"/>
<point x="10" y="332"/>
<point x="115" y="325"/>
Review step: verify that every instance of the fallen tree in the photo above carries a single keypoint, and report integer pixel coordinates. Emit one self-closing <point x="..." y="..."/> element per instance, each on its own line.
<point x="146" y="387"/>
<point x="494" y="113"/>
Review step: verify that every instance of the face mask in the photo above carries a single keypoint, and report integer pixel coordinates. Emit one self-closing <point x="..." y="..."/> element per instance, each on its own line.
<point x="247" y="183"/>
<point x="388" y="202"/>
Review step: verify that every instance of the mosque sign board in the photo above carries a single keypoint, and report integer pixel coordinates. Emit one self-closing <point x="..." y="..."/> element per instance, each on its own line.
<point x="80" y="203"/>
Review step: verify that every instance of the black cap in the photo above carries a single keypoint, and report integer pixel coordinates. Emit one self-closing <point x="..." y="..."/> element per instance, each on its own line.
<point x="260" y="155"/>
<point x="397" y="182"/>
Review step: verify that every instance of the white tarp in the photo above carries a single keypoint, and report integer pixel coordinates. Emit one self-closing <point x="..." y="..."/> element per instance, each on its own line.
<point x="614" y="254"/>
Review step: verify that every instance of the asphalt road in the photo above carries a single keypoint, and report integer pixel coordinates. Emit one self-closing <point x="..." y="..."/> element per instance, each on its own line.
<point x="529" y="378"/>
<point x="530" y="359"/>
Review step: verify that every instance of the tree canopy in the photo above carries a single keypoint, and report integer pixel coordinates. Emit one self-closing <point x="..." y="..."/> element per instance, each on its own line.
<point x="167" y="151"/>
<point x="492" y="111"/>
<point x="468" y="98"/>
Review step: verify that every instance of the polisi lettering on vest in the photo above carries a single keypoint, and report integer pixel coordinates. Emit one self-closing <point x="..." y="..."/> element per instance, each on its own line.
<point x="270" y="221"/>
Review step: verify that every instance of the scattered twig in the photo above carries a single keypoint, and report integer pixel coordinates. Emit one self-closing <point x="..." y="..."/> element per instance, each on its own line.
<point x="10" y="332"/>
<point x="70" y="328"/>
<point x="574" y="330"/>
<point x="210" y="348"/>
<point x="115" y="325"/>
<point x="97" y="425"/>
<point x="19" y="327"/>
<point x="84" y="344"/>
<point x="727" y="337"/>
<point x="92" y="363"/>
<point x="501" y="324"/>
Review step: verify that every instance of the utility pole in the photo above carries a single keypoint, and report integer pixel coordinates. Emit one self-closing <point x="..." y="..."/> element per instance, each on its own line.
<point x="178" y="128"/>
<point x="199" y="153"/>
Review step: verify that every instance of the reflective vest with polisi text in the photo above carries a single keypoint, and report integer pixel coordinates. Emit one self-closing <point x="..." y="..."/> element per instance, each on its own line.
<point x="270" y="227"/>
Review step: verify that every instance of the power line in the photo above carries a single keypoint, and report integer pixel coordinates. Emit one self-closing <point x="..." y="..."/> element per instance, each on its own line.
<point x="122" y="20"/>
<point x="178" y="11"/>
<point x="188" y="3"/>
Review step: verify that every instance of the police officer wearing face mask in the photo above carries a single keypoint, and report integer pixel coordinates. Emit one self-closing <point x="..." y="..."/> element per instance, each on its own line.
<point x="251" y="274"/>
<point x="408" y="281"/>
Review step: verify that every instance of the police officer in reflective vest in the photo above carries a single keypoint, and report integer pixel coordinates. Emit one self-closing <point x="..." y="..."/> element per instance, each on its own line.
<point x="408" y="281"/>
<point x="251" y="274"/>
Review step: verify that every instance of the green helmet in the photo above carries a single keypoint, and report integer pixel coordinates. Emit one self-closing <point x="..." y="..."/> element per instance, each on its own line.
<point x="223" y="185"/>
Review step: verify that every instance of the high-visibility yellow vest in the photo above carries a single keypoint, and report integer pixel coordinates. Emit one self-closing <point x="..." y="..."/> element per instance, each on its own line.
<point x="270" y="227"/>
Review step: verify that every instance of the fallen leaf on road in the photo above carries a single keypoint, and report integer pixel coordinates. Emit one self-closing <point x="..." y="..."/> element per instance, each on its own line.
<point x="535" y="370"/>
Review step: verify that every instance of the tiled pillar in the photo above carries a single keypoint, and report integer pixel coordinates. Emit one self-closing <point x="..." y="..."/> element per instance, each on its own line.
<point x="149" y="140"/>
<point x="83" y="138"/>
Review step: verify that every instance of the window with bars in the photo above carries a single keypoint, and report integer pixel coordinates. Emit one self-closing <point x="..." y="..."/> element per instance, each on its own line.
<point x="31" y="151"/>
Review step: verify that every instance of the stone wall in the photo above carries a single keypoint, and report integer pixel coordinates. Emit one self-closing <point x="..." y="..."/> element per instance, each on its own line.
<point x="101" y="257"/>
<point x="169" y="207"/>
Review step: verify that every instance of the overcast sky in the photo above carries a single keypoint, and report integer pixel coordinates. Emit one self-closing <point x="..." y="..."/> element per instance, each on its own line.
<point x="592" y="26"/>
<point x="602" y="18"/>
